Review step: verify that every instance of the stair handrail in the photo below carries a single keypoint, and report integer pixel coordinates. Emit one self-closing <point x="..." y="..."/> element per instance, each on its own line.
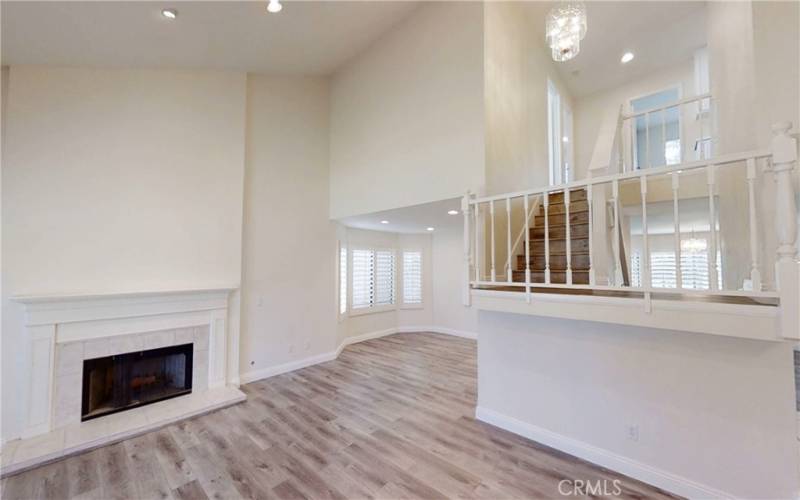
<point x="626" y="157"/>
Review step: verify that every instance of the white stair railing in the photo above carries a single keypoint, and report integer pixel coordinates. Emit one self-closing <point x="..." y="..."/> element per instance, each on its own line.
<point x="695" y="128"/>
<point x="513" y="249"/>
<point x="782" y="157"/>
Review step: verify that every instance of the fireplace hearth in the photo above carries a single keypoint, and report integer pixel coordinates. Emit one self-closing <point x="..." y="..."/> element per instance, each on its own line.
<point x="124" y="381"/>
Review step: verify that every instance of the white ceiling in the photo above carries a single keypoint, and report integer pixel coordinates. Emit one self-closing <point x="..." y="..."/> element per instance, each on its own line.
<point x="415" y="219"/>
<point x="659" y="33"/>
<point x="309" y="38"/>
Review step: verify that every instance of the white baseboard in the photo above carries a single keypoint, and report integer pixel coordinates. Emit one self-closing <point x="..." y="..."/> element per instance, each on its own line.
<point x="364" y="337"/>
<point x="271" y="371"/>
<point x="599" y="456"/>
<point x="438" y="329"/>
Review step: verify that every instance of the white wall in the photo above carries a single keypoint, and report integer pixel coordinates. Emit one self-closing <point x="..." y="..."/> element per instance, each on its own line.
<point x="116" y="180"/>
<point x="448" y="283"/>
<point x="289" y="244"/>
<point x="407" y="115"/>
<point x="776" y="37"/>
<point x="716" y="411"/>
<point x="517" y="68"/>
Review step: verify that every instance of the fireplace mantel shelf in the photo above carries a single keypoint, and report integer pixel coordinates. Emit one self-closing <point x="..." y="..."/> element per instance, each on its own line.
<point x="45" y="298"/>
<point x="71" y="308"/>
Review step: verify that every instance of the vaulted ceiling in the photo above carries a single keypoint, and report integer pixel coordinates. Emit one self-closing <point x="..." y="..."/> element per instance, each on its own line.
<point x="310" y="38"/>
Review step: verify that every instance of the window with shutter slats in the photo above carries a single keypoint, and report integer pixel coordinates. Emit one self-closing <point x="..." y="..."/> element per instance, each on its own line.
<point x="363" y="278"/>
<point x="372" y="278"/>
<point x="412" y="277"/>
<point x="384" y="277"/>
<point x="694" y="270"/>
<point x="662" y="269"/>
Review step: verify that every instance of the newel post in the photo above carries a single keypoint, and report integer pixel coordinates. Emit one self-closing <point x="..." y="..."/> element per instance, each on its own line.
<point x="465" y="210"/>
<point x="784" y="158"/>
<point x="787" y="269"/>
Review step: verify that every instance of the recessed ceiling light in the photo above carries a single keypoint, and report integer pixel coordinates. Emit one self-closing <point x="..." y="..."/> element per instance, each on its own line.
<point x="384" y="222"/>
<point x="169" y="13"/>
<point x="452" y="212"/>
<point x="627" y="57"/>
<point x="430" y="229"/>
<point x="274" y="6"/>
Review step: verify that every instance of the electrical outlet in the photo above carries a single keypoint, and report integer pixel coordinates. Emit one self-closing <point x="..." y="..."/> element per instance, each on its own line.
<point x="307" y="345"/>
<point x="632" y="432"/>
<point x="260" y="301"/>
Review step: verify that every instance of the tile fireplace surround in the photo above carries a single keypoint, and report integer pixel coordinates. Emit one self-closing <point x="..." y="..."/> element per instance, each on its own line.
<point x="63" y="331"/>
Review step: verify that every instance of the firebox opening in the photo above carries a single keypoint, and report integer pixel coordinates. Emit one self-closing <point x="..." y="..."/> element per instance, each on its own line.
<point x="125" y="381"/>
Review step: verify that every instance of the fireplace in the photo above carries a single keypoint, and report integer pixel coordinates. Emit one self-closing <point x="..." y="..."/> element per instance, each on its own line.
<point x="125" y="381"/>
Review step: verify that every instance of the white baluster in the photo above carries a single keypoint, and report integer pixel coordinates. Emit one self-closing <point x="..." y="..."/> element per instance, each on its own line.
<point x="591" y="237"/>
<point x="508" y="238"/>
<point x="569" y="239"/>
<point x="681" y="133"/>
<point x="467" y="252"/>
<point x="784" y="157"/>
<point x="618" y="281"/>
<point x="477" y="245"/>
<point x="491" y="212"/>
<point x="702" y="136"/>
<point x="647" y="138"/>
<point x="712" y="223"/>
<point x="664" y="133"/>
<point x="755" y="271"/>
<point x="527" y="253"/>
<point x="677" y="237"/>
<point x="645" y="261"/>
<point x="620" y="143"/>
<point x="546" y="238"/>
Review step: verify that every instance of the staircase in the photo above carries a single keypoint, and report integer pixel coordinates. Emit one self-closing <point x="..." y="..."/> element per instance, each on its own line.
<point x="557" y="227"/>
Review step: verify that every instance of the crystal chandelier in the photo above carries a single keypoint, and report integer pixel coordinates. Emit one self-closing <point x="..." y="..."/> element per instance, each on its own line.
<point x="566" y="27"/>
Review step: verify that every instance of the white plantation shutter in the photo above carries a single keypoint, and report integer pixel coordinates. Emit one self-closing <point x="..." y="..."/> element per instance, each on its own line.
<point x="384" y="277"/>
<point x="662" y="269"/>
<point x="363" y="278"/>
<point x="412" y="277"/>
<point x="636" y="277"/>
<point x="342" y="280"/>
<point x="694" y="270"/>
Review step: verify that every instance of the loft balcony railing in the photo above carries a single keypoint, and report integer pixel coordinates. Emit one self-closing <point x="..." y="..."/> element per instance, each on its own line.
<point x="638" y="212"/>
<point x="678" y="132"/>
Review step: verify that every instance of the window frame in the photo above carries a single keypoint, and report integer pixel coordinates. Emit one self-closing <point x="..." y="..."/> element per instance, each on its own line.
<point x="421" y="304"/>
<point x="554" y="134"/>
<point x="372" y="308"/>
<point x="342" y="315"/>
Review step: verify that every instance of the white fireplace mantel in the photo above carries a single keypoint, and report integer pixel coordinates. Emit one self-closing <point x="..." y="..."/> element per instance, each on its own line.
<point x="56" y="319"/>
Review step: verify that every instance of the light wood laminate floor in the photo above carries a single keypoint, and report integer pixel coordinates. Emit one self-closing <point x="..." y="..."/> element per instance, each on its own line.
<point x="390" y="418"/>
